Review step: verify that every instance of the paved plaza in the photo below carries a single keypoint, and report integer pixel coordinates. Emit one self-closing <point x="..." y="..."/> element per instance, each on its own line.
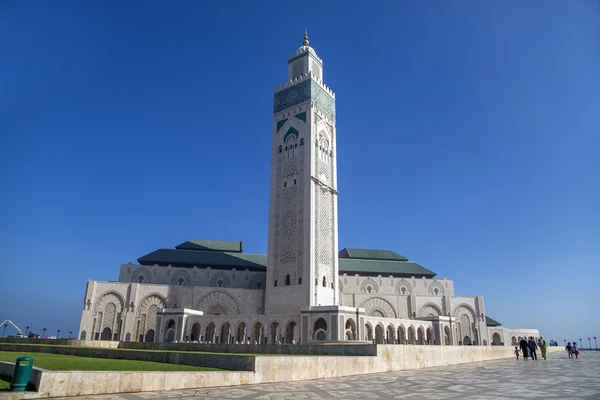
<point x="556" y="378"/>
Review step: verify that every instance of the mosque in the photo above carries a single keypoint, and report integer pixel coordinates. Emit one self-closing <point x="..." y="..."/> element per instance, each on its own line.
<point x="303" y="290"/>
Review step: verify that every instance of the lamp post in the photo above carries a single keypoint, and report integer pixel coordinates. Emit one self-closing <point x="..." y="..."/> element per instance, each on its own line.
<point x="4" y="328"/>
<point x="580" y="343"/>
<point x="26" y="330"/>
<point x="590" y="342"/>
<point x="595" y="342"/>
<point x="70" y="333"/>
<point x="58" y="335"/>
<point x="451" y="341"/>
<point x="565" y="342"/>
<point x="44" y="333"/>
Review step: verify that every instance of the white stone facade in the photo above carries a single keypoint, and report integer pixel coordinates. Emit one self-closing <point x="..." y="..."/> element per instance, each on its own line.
<point x="300" y="296"/>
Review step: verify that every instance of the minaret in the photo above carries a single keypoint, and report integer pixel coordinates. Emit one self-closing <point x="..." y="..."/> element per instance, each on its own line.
<point x="302" y="266"/>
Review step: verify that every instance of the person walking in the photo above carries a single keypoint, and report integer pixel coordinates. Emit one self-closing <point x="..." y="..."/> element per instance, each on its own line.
<point x="517" y="352"/>
<point x="523" y="346"/>
<point x="532" y="348"/>
<point x="575" y="351"/>
<point x="569" y="350"/>
<point x="543" y="347"/>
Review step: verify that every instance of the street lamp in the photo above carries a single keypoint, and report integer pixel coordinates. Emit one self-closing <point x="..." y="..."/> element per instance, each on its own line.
<point x="58" y="336"/>
<point x="70" y="333"/>
<point x="565" y="342"/>
<point x="44" y="333"/>
<point x="595" y="341"/>
<point x="580" y="343"/>
<point x="26" y="330"/>
<point x="590" y="342"/>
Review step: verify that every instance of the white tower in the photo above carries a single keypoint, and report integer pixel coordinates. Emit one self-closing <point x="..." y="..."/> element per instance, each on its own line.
<point x="302" y="266"/>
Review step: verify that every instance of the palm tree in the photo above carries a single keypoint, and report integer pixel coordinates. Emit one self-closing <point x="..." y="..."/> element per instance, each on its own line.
<point x="590" y="342"/>
<point x="595" y="341"/>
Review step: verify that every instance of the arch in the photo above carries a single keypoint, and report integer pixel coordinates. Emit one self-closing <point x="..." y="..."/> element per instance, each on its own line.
<point x="141" y="275"/>
<point x="391" y="334"/>
<point x="430" y="339"/>
<point x="128" y="337"/>
<point x="368" y="332"/>
<point x="291" y="332"/>
<point x="106" y="334"/>
<point x="496" y="339"/>
<point x="218" y="303"/>
<point x="411" y="335"/>
<point x="421" y="335"/>
<point x="110" y="297"/>
<point x="288" y="281"/>
<point x="401" y="334"/>
<point x="240" y="335"/>
<point x="146" y="314"/>
<point x="430" y="310"/>
<point x="513" y="341"/>
<point x="274" y="332"/>
<point x="350" y="329"/>
<point x="195" y="333"/>
<point x="181" y="277"/>
<point x="258" y="328"/>
<point x="149" y="337"/>
<point x="403" y="283"/>
<point x="320" y="329"/>
<point x="379" y="334"/>
<point x="436" y="289"/>
<point x="376" y="305"/>
<point x="220" y="279"/>
<point x="82" y="335"/>
<point x="209" y="335"/>
<point x="369" y="283"/>
<point x="340" y="287"/>
<point x="466" y="341"/>
<point x="225" y="333"/>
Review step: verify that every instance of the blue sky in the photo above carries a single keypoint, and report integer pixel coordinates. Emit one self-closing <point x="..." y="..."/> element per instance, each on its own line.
<point x="468" y="139"/>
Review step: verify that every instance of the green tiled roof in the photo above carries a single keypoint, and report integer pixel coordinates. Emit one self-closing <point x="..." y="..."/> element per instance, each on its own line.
<point x="491" y="322"/>
<point x="211" y="259"/>
<point x="212" y="245"/>
<point x="368" y="254"/>
<point x="384" y="268"/>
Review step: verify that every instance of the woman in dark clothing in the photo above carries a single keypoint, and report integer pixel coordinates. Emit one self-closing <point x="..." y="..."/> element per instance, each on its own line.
<point x="523" y="346"/>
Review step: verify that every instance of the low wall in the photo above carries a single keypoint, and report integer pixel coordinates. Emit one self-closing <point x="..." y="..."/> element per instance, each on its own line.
<point x="7" y="369"/>
<point x="336" y="349"/>
<point x="266" y="369"/>
<point x="230" y="362"/>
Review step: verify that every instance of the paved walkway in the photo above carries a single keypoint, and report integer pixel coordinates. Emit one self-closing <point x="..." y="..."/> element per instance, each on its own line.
<point x="556" y="378"/>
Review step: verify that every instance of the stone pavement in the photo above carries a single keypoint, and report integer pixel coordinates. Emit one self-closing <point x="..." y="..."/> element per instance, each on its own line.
<point x="556" y="378"/>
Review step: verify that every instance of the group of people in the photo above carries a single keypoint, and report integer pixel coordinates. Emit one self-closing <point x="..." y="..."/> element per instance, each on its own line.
<point x="529" y="348"/>
<point x="572" y="349"/>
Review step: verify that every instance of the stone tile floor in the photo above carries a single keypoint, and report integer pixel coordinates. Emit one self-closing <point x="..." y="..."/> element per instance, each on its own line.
<point x="556" y="378"/>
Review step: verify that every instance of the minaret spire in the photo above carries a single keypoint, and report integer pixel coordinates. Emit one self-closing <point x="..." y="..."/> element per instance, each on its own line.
<point x="305" y="43"/>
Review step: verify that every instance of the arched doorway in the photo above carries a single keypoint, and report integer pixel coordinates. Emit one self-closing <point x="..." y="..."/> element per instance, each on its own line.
<point x="379" y="335"/>
<point x="106" y="334"/>
<point x="421" y="335"/>
<point x="466" y="341"/>
<point x="496" y="339"/>
<point x="320" y="329"/>
<point x="149" y="336"/>
<point x="195" y="334"/>
<point x="291" y="332"/>
<point x="170" y="332"/>
<point x="447" y="335"/>
<point x="241" y="332"/>
<point x="274" y="333"/>
<point x="210" y="333"/>
<point x="368" y="332"/>
<point x="430" y="338"/>
<point x="225" y="333"/>
<point x="258" y="333"/>
<point x="411" y="335"/>
<point x="513" y="341"/>
<point x="391" y="333"/>
<point x="82" y="336"/>
<point x="401" y="335"/>
<point x="350" y="329"/>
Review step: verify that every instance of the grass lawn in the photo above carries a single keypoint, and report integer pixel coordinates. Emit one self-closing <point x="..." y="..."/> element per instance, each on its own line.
<point x="60" y="362"/>
<point x="4" y="384"/>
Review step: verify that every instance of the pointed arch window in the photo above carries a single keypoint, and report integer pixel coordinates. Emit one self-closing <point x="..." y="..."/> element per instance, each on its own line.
<point x="287" y="280"/>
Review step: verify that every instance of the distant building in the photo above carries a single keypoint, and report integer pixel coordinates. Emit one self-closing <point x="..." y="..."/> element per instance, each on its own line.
<point x="303" y="289"/>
